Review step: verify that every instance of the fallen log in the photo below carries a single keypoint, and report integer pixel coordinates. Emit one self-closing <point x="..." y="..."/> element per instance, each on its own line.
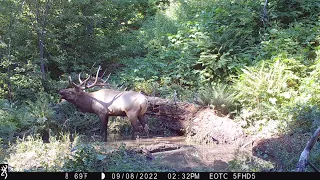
<point x="175" y="114"/>
<point x="173" y="109"/>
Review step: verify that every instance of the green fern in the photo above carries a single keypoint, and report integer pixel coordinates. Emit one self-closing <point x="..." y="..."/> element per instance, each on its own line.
<point x="220" y="96"/>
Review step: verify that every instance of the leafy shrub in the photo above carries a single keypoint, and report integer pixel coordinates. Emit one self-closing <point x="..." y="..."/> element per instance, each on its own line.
<point x="42" y="115"/>
<point x="23" y="86"/>
<point x="8" y="125"/>
<point x="264" y="91"/>
<point x="83" y="158"/>
<point x="310" y="85"/>
<point x="297" y="42"/>
<point x="144" y="74"/>
<point x="139" y="73"/>
<point x="306" y="118"/>
<point x="192" y="43"/>
<point x="13" y="119"/>
<point x="2" y="151"/>
<point x="306" y="108"/>
<point x="32" y="154"/>
<point x="119" y="126"/>
<point x="288" y="12"/>
<point x="244" y="162"/>
<point x="71" y="119"/>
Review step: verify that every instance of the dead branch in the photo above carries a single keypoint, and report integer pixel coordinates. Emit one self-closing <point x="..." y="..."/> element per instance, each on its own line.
<point x="303" y="160"/>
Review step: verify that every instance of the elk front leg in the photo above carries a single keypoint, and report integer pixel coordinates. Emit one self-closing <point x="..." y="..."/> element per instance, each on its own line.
<point x="104" y="128"/>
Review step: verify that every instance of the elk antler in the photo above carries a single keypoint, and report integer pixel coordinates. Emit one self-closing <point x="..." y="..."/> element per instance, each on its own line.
<point x="78" y="85"/>
<point x="79" y="76"/>
<point x="96" y="79"/>
<point x="95" y="83"/>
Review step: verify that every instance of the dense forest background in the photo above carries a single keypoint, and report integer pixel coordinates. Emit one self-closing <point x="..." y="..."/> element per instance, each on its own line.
<point x="257" y="62"/>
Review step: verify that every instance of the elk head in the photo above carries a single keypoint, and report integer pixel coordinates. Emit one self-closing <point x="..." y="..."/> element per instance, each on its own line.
<point x="107" y="102"/>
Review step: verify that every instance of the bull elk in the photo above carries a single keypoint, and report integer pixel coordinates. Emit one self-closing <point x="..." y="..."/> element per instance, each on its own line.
<point x="107" y="102"/>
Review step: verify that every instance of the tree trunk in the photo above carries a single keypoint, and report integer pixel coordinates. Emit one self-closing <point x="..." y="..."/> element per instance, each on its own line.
<point x="41" y="25"/>
<point x="265" y="18"/>
<point x="41" y="53"/>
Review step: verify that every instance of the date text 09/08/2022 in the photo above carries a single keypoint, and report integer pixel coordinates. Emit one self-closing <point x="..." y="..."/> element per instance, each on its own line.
<point x="180" y="175"/>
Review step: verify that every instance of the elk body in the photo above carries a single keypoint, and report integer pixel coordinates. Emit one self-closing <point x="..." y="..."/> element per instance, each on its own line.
<point x="108" y="102"/>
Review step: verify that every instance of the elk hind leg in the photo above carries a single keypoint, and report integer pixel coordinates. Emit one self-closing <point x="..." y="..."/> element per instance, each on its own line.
<point x="144" y="124"/>
<point x="133" y="120"/>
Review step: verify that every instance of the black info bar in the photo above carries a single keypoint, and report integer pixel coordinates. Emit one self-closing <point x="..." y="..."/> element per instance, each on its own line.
<point x="157" y="175"/>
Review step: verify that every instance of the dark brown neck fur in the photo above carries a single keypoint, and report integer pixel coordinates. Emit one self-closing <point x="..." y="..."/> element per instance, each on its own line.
<point x="84" y="102"/>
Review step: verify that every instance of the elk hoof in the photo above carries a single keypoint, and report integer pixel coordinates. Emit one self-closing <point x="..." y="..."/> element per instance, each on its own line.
<point x="133" y="137"/>
<point x="104" y="139"/>
<point x="146" y="129"/>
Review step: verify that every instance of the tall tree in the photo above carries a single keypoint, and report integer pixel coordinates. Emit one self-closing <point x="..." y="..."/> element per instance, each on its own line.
<point x="39" y="10"/>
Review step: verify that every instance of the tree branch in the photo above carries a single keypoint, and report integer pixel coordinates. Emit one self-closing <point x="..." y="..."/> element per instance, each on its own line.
<point x="303" y="160"/>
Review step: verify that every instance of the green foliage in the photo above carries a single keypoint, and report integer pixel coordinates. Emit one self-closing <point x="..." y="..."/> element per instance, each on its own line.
<point x="247" y="163"/>
<point x="296" y="42"/>
<point x="220" y="96"/>
<point x="75" y="35"/>
<point x="315" y="156"/>
<point x="83" y="158"/>
<point x="265" y="91"/>
<point x="119" y="126"/>
<point x="143" y="74"/>
<point x="97" y="31"/>
<point x="72" y="120"/>
<point x="13" y="118"/>
<point x="306" y="118"/>
<point x="287" y="12"/>
<point x="32" y="154"/>
<point x="8" y="126"/>
<point x="140" y="72"/>
<point x="2" y="151"/>
<point x="25" y="81"/>
<point x="306" y="108"/>
<point x="309" y="89"/>
<point x="32" y="117"/>
<point x="185" y="47"/>
<point x="41" y="113"/>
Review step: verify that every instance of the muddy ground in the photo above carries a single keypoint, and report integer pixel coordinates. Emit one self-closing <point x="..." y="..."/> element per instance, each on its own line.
<point x="224" y="142"/>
